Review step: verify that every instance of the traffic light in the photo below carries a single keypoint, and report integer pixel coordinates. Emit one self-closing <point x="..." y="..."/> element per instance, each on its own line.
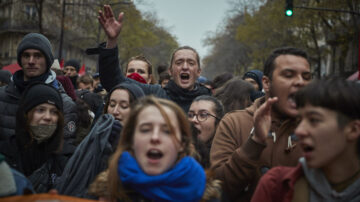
<point x="289" y="8"/>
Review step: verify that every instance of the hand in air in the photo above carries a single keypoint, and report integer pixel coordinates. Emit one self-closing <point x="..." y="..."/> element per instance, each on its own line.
<point x="110" y="24"/>
<point x="262" y="120"/>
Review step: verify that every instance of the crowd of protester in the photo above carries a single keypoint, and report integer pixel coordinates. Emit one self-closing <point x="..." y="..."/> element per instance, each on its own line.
<point x="121" y="135"/>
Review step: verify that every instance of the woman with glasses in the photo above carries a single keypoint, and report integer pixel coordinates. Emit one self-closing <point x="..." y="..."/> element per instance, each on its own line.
<point x="205" y="113"/>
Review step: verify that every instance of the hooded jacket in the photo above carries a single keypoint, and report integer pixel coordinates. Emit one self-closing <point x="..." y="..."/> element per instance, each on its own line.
<point x="111" y="75"/>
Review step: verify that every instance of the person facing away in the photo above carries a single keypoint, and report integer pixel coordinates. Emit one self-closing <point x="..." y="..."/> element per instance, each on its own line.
<point x="153" y="158"/>
<point x="235" y="99"/>
<point x="91" y="156"/>
<point x="184" y="68"/>
<point x="329" y="136"/>
<point x="35" y="149"/>
<point x="205" y="114"/>
<point x="71" y="70"/>
<point x="249" y="142"/>
<point x="34" y="55"/>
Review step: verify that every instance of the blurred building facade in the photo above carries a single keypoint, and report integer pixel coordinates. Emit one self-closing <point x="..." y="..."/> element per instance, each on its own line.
<point x="19" y="17"/>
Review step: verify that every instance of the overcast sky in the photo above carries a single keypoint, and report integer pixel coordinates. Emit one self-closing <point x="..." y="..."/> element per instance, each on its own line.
<point x="189" y="20"/>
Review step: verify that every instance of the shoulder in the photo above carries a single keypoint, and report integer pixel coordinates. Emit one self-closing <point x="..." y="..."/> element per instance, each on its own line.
<point x="280" y="178"/>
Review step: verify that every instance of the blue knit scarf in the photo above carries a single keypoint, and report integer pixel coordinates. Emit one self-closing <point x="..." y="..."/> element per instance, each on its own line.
<point x="186" y="181"/>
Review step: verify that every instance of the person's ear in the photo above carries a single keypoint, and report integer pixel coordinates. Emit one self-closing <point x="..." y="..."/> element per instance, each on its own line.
<point x="352" y="130"/>
<point x="266" y="84"/>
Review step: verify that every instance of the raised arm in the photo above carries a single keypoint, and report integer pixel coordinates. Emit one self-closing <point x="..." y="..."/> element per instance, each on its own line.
<point x="109" y="67"/>
<point x="111" y="25"/>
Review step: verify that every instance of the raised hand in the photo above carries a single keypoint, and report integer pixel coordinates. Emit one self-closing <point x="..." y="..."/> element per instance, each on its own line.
<point x="262" y="121"/>
<point x="111" y="25"/>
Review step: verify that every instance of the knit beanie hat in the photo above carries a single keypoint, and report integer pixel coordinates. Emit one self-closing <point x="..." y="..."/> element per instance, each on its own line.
<point x="73" y="63"/>
<point x="39" y="93"/>
<point x="256" y="75"/>
<point x="39" y="42"/>
<point x="135" y="90"/>
<point x="5" y="76"/>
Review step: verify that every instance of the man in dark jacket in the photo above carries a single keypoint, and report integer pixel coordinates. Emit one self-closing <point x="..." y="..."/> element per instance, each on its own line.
<point x="34" y="55"/>
<point x="184" y="68"/>
<point x="71" y="70"/>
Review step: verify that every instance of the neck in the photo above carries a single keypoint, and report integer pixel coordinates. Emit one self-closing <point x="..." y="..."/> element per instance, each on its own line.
<point x="343" y="168"/>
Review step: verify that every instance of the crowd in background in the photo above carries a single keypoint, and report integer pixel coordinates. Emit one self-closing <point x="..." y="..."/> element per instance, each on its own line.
<point x="120" y="134"/>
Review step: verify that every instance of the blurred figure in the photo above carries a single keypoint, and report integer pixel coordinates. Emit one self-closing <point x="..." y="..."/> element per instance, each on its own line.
<point x="85" y="82"/>
<point x="205" y="114"/>
<point x="153" y="158"/>
<point x="36" y="147"/>
<point x="221" y="79"/>
<point x="56" y="68"/>
<point x="71" y="70"/>
<point x="255" y="78"/>
<point x="235" y="99"/>
<point x="68" y="86"/>
<point x="12" y="182"/>
<point x="164" y="79"/>
<point x="5" y="77"/>
<point x="140" y="65"/>
<point x="98" y="88"/>
<point x="329" y="135"/>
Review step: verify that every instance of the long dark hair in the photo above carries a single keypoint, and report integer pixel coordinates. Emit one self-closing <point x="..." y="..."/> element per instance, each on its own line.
<point x="33" y="155"/>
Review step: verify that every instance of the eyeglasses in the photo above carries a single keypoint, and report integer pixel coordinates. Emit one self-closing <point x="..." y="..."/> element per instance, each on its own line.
<point x="201" y="116"/>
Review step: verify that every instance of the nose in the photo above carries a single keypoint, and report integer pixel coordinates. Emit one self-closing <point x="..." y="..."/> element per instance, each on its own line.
<point x="194" y="119"/>
<point x="155" y="136"/>
<point x="300" y="130"/>
<point x="299" y="81"/>
<point x="47" y="116"/>
<point x="116" y="110"/>
<point x="31" y="59"/>
<point x="185" y="65"/>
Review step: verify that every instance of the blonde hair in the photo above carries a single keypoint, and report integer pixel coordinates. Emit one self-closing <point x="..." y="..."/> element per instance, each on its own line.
<point x="127" y="136"/>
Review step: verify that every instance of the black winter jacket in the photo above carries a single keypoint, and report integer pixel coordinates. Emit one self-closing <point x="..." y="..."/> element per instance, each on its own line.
<point x="44" y="177"/>
<point x="111" y="75"/>
<point x="9" y="103"/>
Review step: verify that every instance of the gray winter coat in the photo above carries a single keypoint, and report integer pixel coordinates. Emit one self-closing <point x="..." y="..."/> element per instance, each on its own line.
<point x="89" y="159"/>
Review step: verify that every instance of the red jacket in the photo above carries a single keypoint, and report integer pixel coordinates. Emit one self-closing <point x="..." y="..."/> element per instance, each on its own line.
<point x="278" y="184"/>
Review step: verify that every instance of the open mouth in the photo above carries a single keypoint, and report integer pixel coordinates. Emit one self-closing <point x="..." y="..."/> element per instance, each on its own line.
<point x="184" y="76"/>
<point x="308" y="148"/>
<point x="291" y="99"/>
<point x="154" y="154"/>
